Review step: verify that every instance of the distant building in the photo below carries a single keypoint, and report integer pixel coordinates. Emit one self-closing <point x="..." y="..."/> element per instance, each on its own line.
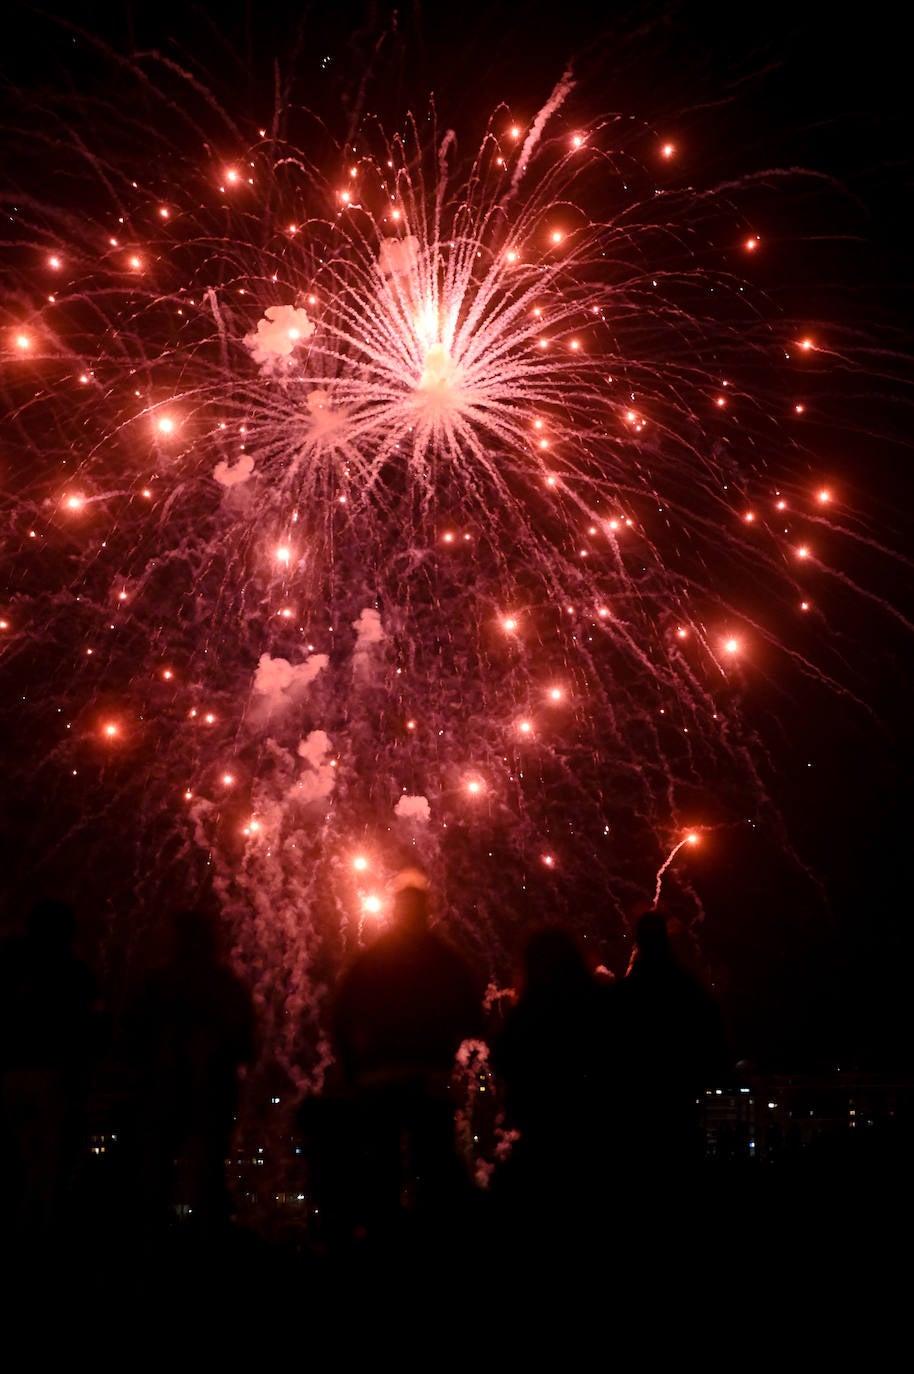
<point x="773" y="1115"/>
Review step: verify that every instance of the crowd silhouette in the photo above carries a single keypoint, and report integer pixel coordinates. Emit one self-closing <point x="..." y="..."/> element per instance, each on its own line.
<point x="596" y="1082"/>
<point x="552" y="1056"/>
<point x="401" y="1012"/>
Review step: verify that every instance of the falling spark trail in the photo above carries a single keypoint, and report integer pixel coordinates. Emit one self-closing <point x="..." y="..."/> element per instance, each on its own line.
<point x="689" y="839"/>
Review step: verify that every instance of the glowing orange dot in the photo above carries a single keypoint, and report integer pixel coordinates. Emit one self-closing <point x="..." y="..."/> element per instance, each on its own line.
<point x="691" y="838"/>
<point x="668" y="150"/>
<point x="167" y="674"/>
<point x="283" y="554"/>
<point x="577" y="141"/>
<point x="136" y="262"/>
<point x="751" y="244"/>
<point x="731" y="646"/>
<point x="448" y="538"/>
<point x="682" y="633"/>
<point x="802" y="551"/>
<point x="360" y="863"/>
<point x="515" y="132"/>
<point x="410" y="725"/>
<point x="525" y="727"/>
<point x="371" y="904"/>
<point x="228" y="779"/>
<point x="165" y="424"/>
<point x="163" y="212"/>
<point x="557" y="236"/>
<point x="209" y="718"/>
<point x="23" y="341"/>
<point x="110" y="730"/>
<point x="74" y="503"/>
<point x="54" y="262"/>
<point x="806" y="345"/>
<point x="548" y="860"/>
<point x="556" y="694"/>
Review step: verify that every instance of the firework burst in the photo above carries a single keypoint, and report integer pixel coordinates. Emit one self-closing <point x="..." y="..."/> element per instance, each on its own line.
<point x="366" y="505"/>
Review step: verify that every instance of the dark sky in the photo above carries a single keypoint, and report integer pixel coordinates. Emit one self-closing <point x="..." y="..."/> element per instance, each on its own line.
<point x="758" y="87"/>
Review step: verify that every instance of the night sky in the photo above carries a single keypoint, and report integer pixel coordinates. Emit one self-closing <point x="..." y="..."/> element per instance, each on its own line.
<point x="814" y="965"/>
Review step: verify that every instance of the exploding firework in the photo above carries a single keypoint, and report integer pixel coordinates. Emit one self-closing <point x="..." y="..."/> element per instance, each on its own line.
<point x="370" y="505"/>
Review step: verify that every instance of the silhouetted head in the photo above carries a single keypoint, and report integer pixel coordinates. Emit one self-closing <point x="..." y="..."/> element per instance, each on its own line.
<point x="553" y="959"/>
<point x="411" y="900"/>
<point x="684" y="947"/>
<point x="652" y="938"/>
<point x="51" y="925"/>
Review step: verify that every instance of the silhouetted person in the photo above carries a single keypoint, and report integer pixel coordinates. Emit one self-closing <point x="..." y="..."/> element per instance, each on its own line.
<point x="49" y="1015"/>
<point x="401" y="1012"/>
<point x="189" y="1032"/>
<point x="550" y="1060"/>
<point x="671" y="1049"/>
